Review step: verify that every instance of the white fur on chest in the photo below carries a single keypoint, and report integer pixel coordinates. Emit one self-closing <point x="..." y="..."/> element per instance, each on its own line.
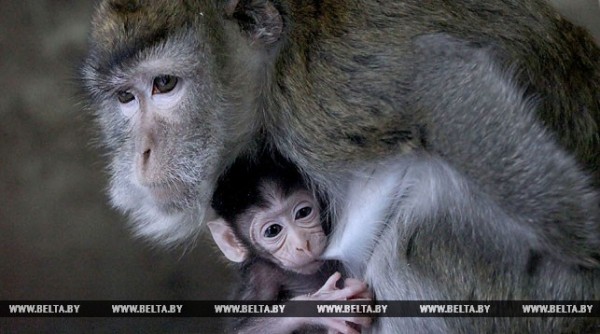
<point x="397" y="191"/>
<point x="364" y="213"/>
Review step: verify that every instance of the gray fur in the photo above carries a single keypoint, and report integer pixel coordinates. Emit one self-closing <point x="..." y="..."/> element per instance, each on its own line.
<point x="494" y="105"/>
<point x="450" y="216"/>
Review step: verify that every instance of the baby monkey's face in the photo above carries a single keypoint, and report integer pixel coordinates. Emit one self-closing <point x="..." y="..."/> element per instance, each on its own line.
<point x="290" y="230"/>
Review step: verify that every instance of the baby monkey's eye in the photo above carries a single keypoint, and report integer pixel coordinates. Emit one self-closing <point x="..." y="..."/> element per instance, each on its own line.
<point x="273" y="230"/>
<point x="125" y="96"/>
<point x="163" y="84"/>
<point x="303" y="213"/>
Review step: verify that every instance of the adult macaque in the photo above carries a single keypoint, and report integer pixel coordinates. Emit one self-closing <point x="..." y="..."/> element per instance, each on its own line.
<point x="271" y="224"/>
<point x="489" y="111"/>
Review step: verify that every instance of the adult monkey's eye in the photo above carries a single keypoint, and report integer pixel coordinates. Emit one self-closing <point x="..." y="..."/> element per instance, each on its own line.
<point x="125" y="96"/>
<point x="163" y="84"/>
<point x="273" y="230"/>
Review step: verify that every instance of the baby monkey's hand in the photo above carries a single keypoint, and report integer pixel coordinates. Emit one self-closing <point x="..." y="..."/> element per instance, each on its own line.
<point x="353" y="289"/>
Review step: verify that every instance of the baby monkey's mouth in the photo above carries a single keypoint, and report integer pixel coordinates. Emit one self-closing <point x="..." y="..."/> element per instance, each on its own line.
<point x="309" y="267"/>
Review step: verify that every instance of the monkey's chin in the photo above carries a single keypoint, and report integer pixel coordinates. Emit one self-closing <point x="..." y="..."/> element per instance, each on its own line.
<point x="169" y="224"/>
<point x="309" y="268"/>
<point x="170" y="199"/>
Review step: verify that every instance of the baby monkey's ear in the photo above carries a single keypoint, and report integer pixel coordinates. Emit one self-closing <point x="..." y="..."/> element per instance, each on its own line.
<point x="231" y="246"/>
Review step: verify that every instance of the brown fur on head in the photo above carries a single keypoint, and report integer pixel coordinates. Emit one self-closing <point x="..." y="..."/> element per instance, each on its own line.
<point x="123" y="22"/>
<point x="122" y="29"/>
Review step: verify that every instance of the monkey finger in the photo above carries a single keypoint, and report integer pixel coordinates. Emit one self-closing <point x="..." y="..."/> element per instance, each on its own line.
<point x="362" y="321"/>
<point x="340" y="294"/>
<point x="330" y="295"/>
<point x="348" y="282"/>
<point x="363" y="296"/>
<point x="351" y="280"/>
<point x="330" y="284"/>
<point x="339" y="325"/>
<point x="351" y="291"/>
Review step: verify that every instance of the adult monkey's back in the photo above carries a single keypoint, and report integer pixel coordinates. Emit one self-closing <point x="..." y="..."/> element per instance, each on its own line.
<point x="475" y="103"/>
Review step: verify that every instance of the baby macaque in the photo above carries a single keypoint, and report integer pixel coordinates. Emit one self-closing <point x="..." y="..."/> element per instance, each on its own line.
<point x="271" y="224"/>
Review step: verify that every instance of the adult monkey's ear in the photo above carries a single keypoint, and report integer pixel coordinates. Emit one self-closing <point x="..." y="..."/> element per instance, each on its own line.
<point x="228" y="242"/>
<point x="260" y="19"/>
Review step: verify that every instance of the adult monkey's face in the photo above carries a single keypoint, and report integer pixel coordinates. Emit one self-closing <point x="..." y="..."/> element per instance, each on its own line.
<point x="157" y="89"/>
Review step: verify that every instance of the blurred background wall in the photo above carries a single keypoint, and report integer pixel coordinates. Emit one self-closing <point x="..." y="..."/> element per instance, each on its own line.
<point x="58" y="237"/>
